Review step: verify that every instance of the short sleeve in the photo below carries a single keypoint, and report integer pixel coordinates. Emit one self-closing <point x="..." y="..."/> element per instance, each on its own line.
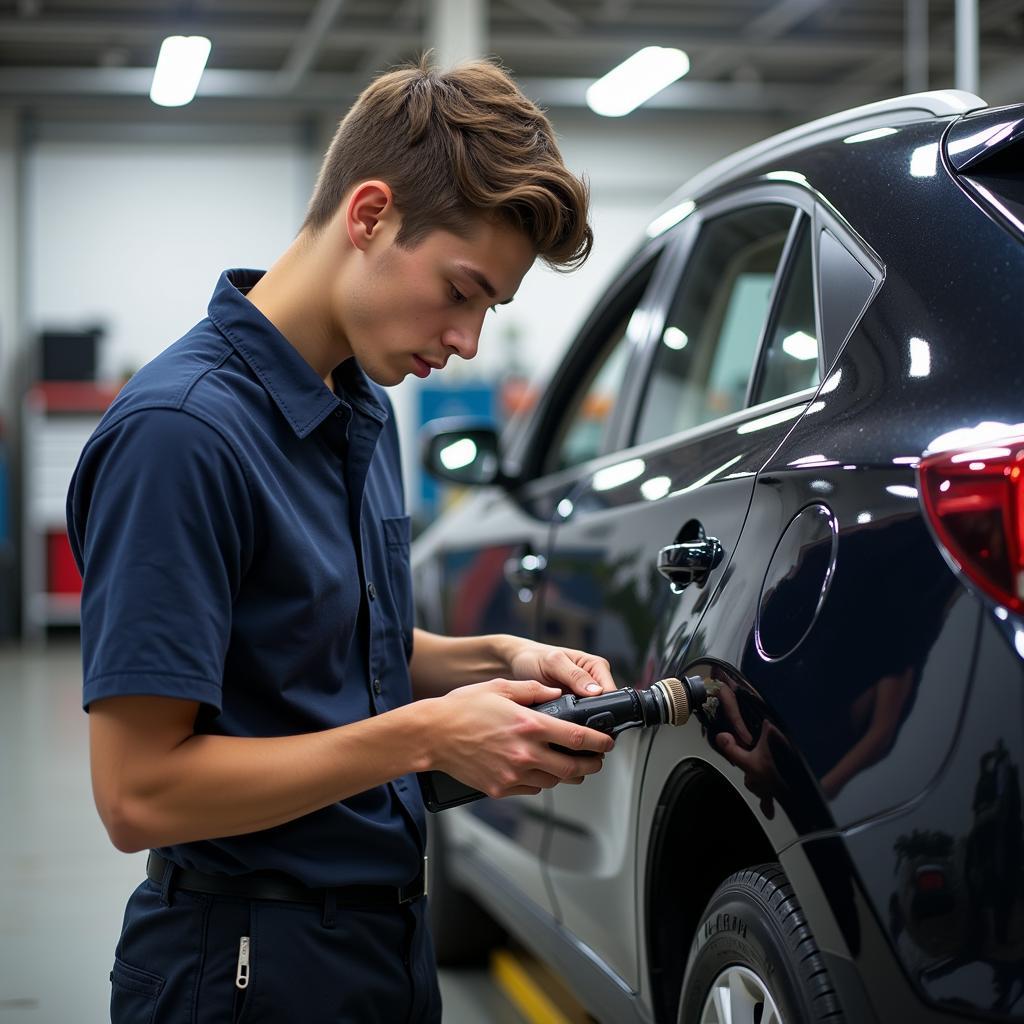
<point x="160" y="522"/>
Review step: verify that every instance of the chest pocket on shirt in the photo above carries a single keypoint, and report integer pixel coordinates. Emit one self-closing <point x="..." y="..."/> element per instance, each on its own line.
<point x="397" y="538"/>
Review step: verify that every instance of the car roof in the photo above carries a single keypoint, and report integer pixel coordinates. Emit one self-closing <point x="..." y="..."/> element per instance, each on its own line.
<point x="898" y="110"/>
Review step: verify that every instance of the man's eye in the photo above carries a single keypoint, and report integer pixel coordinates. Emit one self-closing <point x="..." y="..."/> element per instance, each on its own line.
<point x="457" y="296"/>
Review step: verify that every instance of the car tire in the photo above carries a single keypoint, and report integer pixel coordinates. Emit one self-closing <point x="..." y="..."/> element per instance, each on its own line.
<point x="754" y="947"/>
<point x="464" y="933"/>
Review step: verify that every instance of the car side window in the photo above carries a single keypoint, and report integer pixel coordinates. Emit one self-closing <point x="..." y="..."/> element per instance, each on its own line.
<point x="846" y="285"/>
<point x="582" y="432"/>
<point x="702" y="366"/>
<point x="790" y="361"/>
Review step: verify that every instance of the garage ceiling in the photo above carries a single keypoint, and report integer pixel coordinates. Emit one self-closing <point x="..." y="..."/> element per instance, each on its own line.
<point x="769" y="56"/>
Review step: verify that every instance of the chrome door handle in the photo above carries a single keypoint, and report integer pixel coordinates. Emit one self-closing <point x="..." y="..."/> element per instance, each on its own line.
<point x="525" y="570"/>
<point x="689" y="562"/>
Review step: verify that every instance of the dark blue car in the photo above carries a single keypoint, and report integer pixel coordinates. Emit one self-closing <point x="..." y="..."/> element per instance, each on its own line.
<point x="784" y="454"/>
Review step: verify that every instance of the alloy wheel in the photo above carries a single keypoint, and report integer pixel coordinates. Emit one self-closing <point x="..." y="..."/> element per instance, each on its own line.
<point x="739" y="996"/>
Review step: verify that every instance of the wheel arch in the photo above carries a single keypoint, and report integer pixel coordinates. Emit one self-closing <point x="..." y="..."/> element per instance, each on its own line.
<point x="686" y="864"/>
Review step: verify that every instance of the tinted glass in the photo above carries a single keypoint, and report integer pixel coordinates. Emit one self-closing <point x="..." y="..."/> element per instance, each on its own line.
<point x="582" y="433"/>
<point x="791" y="355"/>
<point x="845" y="288"/>
<point x="702" y="366"/>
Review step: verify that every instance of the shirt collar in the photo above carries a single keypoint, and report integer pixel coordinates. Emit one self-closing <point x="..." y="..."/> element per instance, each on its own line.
<point x="304" y="399"/>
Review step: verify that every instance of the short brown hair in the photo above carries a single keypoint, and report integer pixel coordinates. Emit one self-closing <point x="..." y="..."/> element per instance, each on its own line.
<point x="454" y="145"/>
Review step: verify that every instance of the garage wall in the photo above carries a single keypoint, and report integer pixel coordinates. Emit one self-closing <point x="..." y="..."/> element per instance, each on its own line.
<point x="132" y="235"/>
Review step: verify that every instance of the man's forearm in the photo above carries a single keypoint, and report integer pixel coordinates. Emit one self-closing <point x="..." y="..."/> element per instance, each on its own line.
<point x="208" y="786"/>
<point x="440" y="663"/>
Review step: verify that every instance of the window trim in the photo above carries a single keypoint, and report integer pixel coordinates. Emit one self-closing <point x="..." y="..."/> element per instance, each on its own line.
<point x="802" y="223"/>
<point x="870" y="261"/>
<point x="763" y="195"/>
<point x="672" y="250"/>
<point x="579" y="474"/>
<point x="589" y="339"/>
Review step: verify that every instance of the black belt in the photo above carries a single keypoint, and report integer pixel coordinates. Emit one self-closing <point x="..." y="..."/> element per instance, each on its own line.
<point x="269" y="885"/>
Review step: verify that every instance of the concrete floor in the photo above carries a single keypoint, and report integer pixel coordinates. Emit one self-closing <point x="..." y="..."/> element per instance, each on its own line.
<point x="62" y="885"/>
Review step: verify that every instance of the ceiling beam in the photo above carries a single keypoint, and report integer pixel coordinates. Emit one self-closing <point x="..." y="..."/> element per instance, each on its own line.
<point x="1007" y="79"/>
<point x="549" y="14"/>
<point x="772" y="24"/>
<point x="306" y="48"/>
<point x="613" y="9"/>
<point x="781" y="18"/>
<point x="382" y="56"/>
<point x="598" y="42"/>
<point x="335" y="91"/>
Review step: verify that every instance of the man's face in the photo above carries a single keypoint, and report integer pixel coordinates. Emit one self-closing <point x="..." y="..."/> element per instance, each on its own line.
<point x="409" y="311"/>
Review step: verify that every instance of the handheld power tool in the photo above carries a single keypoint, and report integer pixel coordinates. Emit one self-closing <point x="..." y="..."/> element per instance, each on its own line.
<point x="666" y="702"/>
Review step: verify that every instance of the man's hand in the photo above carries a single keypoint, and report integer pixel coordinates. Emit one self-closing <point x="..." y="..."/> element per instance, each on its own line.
<point x="485" y="737"/>
<point x="583" y="674"/>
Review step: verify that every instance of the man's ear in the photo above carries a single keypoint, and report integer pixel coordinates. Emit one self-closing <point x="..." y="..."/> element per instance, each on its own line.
<point x="367" y="207"/>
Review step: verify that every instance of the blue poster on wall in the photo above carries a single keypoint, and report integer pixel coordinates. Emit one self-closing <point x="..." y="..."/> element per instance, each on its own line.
<point x="477" y="400"/>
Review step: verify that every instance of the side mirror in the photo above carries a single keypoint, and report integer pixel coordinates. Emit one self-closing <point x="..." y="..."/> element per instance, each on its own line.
<point x="462" y="450"/>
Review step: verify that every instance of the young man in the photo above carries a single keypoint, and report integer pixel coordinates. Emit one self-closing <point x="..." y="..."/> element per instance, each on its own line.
<point x="259" y="700"/>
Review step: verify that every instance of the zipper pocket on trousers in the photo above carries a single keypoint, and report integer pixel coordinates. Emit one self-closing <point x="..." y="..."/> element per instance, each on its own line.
<point x="242" y="971"/>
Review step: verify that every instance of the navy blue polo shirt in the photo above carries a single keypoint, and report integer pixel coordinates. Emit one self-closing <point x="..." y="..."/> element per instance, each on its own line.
<point x="242" y="537"/>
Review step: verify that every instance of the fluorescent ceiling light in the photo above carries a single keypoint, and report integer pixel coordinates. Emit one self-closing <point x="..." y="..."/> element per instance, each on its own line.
<point x="636" y="80"/>
<point x="178" y="70"/>
<point x="800" y="346"/>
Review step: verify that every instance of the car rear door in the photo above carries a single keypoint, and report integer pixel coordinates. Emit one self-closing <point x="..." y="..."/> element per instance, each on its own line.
<point x="689" y="453"/>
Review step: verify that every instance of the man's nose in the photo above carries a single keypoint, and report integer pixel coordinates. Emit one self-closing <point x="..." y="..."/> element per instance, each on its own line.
<point x="462" y="340"/>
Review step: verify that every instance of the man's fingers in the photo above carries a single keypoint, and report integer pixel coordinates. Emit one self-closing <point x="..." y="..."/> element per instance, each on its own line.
<point x="565" y="766"/>
<point x="527" y="691"/>
<point x="550" y="775"/>
<point x="601" y="671"/>
<point x="523" y="791"/>
<point x="577" y="737"/>
<point x="584" y="675"/>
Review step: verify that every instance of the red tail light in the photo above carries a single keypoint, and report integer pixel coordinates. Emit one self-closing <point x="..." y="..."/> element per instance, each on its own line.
<point x="974" y="499"/>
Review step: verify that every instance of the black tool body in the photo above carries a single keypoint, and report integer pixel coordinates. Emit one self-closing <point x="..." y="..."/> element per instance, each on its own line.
<point x="666" y="701"/>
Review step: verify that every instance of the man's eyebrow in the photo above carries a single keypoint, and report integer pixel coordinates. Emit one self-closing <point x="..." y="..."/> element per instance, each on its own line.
<point x="482" y="281"/>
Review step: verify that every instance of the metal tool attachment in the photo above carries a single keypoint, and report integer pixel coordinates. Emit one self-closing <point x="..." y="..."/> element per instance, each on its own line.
<point x="679" y="699"/>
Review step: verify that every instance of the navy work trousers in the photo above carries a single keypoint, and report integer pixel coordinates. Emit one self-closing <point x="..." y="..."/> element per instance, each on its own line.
<point x="178" y="956"/>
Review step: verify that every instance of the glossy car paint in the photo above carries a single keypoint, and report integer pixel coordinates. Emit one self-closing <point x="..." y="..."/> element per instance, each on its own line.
<point x="908" y="862"/>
